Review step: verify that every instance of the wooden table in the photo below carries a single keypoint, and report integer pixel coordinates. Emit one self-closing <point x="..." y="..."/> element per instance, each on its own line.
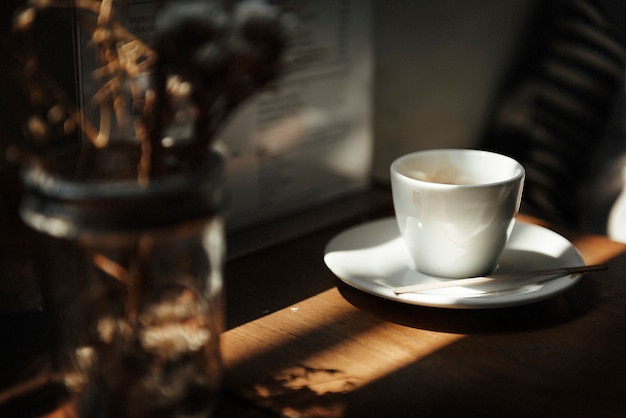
<point x="300" y="343"/>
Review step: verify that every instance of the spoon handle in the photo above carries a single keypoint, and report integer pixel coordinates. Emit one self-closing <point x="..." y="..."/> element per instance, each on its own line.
<point x="473" y="281"/>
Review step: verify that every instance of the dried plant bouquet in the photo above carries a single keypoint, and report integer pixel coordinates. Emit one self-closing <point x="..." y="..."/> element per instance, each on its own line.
<point x="206" y="58"/>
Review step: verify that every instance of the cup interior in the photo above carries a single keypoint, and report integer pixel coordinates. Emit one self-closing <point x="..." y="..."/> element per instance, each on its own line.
<point x="458" y="167"/>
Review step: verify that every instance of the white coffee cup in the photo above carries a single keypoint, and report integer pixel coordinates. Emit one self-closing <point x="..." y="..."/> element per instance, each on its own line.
<point x="456" y="208"/>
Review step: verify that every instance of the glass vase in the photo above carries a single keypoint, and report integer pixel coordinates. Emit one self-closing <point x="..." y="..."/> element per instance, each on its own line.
<point x="131" y="277"/>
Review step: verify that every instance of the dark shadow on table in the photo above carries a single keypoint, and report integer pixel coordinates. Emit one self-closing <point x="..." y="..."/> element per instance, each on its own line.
<point x="560" y="309"/>
<point x="583" y="379"/>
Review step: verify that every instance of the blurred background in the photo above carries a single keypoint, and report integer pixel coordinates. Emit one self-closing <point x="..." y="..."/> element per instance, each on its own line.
<point x="443" y="73"/>
<point x="476" y="73"/>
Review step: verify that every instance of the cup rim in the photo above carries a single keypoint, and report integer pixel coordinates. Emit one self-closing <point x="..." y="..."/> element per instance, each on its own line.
<point x="521" y="173"/>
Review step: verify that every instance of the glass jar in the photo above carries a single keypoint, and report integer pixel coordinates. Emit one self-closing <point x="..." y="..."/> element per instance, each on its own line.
<point x="131" y="277"/>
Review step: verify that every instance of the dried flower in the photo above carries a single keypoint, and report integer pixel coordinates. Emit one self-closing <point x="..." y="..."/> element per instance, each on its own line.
<point x="207" y="58"/>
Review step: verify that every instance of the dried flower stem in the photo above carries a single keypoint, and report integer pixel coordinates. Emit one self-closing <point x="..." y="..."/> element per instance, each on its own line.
<point x="110" y="267"/>
<point x="137" y="278"/>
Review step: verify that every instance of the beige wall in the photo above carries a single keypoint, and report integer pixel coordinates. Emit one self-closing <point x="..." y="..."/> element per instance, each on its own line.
<point x="438" y="63"/>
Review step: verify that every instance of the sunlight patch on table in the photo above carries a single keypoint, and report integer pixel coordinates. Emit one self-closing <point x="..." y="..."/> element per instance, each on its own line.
<point x="324" y="346"/>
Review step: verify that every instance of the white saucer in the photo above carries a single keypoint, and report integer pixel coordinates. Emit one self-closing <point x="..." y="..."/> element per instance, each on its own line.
<point x="372" y="257"/>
